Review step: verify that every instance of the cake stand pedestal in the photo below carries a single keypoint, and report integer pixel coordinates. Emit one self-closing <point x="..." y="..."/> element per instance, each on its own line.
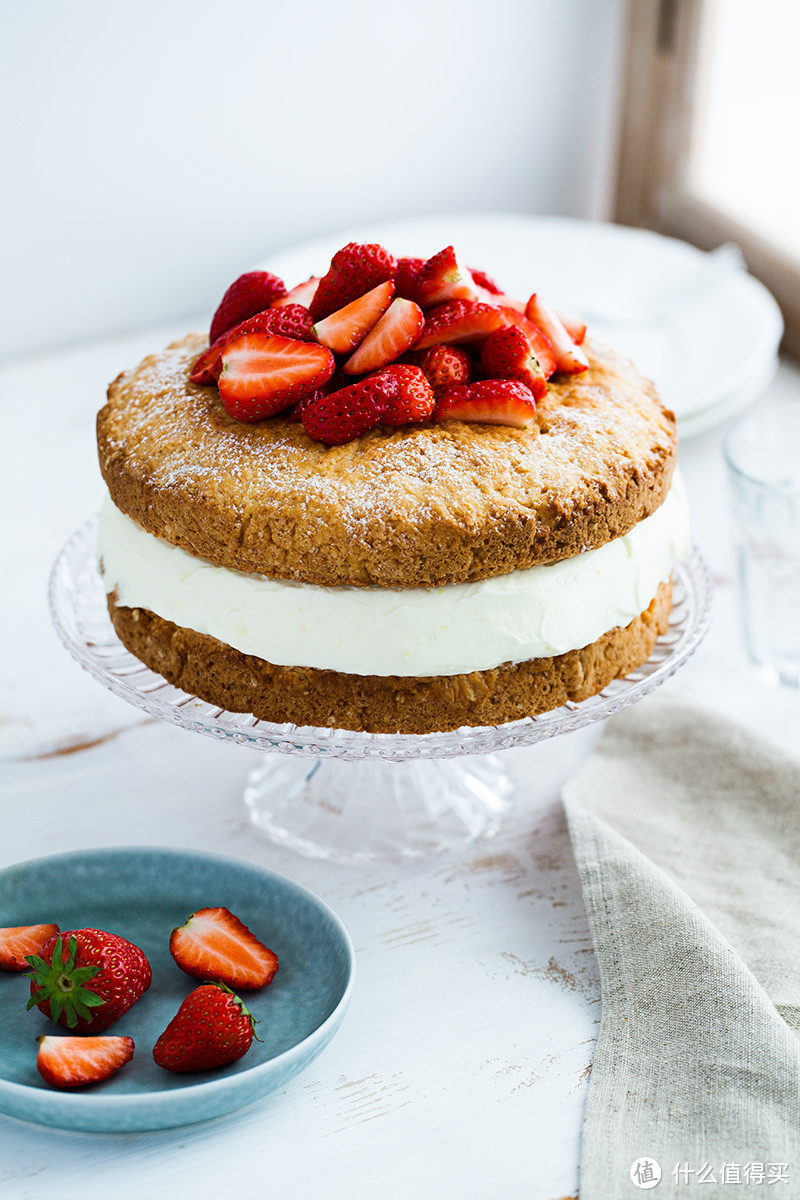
<point x="348" y="796"/>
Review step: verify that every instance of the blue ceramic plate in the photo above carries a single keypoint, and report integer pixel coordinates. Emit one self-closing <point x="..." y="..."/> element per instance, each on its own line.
<point x="141" y="894"/>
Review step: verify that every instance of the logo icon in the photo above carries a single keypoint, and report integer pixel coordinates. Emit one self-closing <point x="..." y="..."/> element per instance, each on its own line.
<point x="645" y="1173"/>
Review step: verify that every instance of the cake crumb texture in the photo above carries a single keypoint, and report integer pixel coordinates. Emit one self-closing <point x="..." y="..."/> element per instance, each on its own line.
<point x="238" y="682"/>
<point x="419" y="506"/>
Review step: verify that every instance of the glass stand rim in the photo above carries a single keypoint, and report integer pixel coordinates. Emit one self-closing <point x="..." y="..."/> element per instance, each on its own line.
<point x="80" y="615"/>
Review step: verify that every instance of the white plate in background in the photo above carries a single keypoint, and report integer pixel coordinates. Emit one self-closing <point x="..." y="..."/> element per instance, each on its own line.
<point x="713" y="349"/>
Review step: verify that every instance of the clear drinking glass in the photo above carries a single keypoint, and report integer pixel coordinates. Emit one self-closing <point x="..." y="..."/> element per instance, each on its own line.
<point x="762" y="453"/>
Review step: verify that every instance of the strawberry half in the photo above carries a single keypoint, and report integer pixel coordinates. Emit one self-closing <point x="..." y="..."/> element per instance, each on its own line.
<point x="460" y="321"/>
<point x="394" y="333"/>
<point x="94" y="984"/>
<point x="212" y="1028"/>
<point x="354" y="269"/>
<point x="303" y="294"/>
<point x="492" y="401"/>
<point x="262" y="374"/>
<point x="18" y="941"/>
<point x="68" y="1062"/>
<point x="507" y="354"/>
<point x="342" y="331"/>
<point x="569" y="356"/>
<point x="444" y="277"/>
<point x="414" y="401"/>
<point x="250" y="293"/>
<point x="344" y="415"/>
<point x="444" y="366"/>
<point x="290" y="320"/>
<point x="215" y="944"/>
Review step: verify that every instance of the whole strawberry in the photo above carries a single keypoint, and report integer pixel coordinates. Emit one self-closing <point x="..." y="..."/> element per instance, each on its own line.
<point x="210" y="1029"/>
<point x="85" y="979"/>
<point x="345" y="414"/>
<point x="250" y="293"/>
<point x="354" y="270"/>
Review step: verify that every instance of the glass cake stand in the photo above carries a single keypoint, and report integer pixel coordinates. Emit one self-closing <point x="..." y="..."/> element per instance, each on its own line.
<point x="349" y="796"/>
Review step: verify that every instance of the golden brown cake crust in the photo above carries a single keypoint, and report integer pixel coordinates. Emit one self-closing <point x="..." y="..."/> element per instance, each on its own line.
<point x="238" y="682"/>
<point x="419" y="506"/>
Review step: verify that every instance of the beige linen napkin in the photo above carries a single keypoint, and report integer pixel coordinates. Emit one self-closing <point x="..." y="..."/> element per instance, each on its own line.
<point x="686" y="832"/>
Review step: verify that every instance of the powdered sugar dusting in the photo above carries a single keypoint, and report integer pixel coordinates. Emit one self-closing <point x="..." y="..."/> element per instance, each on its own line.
<point x="388" y="486"/>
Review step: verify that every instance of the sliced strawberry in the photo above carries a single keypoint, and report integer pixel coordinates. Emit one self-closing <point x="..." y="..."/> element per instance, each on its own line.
<point x="344" y="415"/>
<point x="343" y="330"/>
<point x="575" y="327"/>
<point x="396" y="331"/>
<point x="263" y="374"/>
<point x="405" y="280"/>
<point x="354" y="269"/>
<point x="250" y="293"/>
<point x="445" y="366"/>
<point x="303" y="294"/>
<point x="507" y="354"/>
<point x="482" y="280"/>
<point x="444" y="277"/>
<point x="18" y="940"/>
<point x="68" y="1062"/>
<point x="414" y="401"/>
<point x="460" y="321"/>
<point x="493" y="401"/>
<point x="569" y="356"/>
<point x="290" y="320"/>
<point x="215" y="944"/>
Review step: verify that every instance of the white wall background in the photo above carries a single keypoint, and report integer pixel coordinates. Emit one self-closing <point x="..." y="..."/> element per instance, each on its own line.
<point x="152" y="150"/>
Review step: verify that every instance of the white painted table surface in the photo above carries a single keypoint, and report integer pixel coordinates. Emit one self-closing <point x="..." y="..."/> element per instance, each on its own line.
<point x="462" y="1066"/>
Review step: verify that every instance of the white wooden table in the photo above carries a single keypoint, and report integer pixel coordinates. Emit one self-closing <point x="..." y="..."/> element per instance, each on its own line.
<point x="462" y="1066"/>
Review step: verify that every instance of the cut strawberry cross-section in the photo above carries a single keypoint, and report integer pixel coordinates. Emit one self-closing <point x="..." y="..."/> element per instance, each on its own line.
<point x="395" y="332"/>
<point x="570" y="358"/>
<point x="214" y="944"/>
<point x="445" y="277"/>
<point x="290" y="321"/>
<point x="262" y="374"/>
<point x="303" y="294"/>
<point x="17" y="941"/>
<point x="344" y="329"/>
<point x="354" y="269"/>
<point x="575" y="326"/>
<point x="68" y="1062"/>
<point x="492" y="401"/>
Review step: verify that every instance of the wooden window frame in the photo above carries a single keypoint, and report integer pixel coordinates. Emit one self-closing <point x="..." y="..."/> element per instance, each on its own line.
<point x="663" y="41"/>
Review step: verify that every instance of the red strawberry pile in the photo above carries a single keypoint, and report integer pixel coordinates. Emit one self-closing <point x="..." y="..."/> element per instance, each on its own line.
<point x="87" y="979"/>
<point x="385" y="341"/>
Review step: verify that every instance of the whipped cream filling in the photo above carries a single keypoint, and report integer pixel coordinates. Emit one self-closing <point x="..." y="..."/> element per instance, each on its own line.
<point x="532" y="613"/>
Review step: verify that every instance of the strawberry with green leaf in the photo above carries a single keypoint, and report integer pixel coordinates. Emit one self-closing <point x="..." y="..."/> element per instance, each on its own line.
<point x="85" y="979"/>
